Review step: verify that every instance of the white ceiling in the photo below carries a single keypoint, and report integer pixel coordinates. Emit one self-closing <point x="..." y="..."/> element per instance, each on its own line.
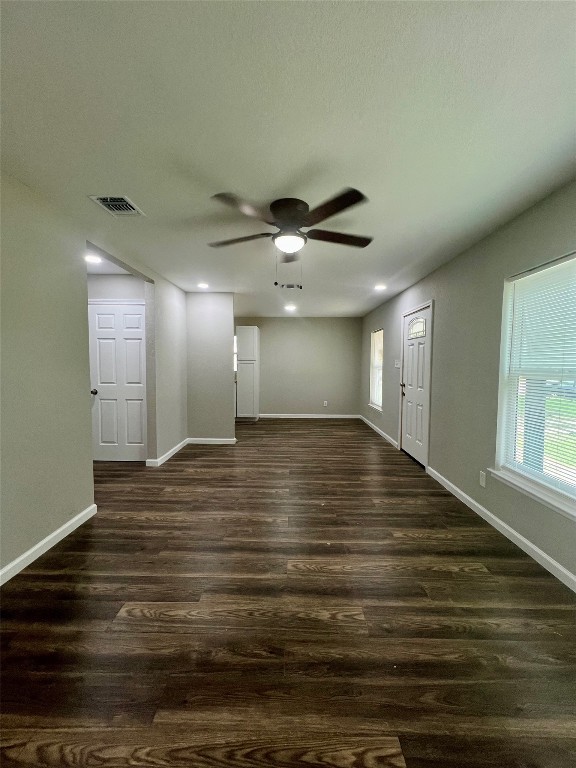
<point x="450" y="116"/>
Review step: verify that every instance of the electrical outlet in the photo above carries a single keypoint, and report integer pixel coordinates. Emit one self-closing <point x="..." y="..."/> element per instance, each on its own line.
<point x="483" y="479"/>
<point x="325" y="403"/>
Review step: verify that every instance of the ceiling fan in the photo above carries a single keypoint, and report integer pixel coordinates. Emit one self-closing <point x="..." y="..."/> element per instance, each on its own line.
<point x="290" y="215"/>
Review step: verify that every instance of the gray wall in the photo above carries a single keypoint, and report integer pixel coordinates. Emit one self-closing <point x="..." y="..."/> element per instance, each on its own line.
<point x="468" y="295"/>
<point x="46" y="427"/>
<point x="304" y="361"/>
<point x="210" y="365"/>
<point x="171" y="366"/>
<point x="115" y="288"/>
<point x="46" y="436"/>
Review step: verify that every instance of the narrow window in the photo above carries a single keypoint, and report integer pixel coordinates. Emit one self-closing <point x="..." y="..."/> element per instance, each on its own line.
<point x="376" y="358"/>
<point x="537" y="414"/>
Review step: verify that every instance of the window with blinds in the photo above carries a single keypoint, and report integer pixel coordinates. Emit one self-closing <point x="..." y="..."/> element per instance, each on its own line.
<point x="537" y="424"/>
<point x="376" y="360"/>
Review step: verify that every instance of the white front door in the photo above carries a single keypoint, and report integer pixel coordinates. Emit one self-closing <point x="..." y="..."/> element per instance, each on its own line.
<point x="118" y="376"/>
<point x="417" y="349"/>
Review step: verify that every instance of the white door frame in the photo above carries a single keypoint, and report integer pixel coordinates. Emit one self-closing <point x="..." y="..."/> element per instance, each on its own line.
<point x="425" y="305"/>
<point x="150" y="323"/>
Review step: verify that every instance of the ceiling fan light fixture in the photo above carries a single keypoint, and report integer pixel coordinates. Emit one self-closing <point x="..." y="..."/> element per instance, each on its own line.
<point x="289" y="242"/>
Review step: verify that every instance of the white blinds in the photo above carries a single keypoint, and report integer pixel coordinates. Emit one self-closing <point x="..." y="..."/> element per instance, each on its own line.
<point x="376" y="360"/>
<point x="539" y="387"/>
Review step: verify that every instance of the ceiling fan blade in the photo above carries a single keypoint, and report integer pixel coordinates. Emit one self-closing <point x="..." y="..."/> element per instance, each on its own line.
<point x="220" y="243"/>
<point x="346" y="199"/>
<point x="357" y="241"/>
<point x="228" y="198"/>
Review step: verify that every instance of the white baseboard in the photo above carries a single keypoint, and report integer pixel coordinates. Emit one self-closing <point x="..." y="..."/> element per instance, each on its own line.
<point x="380" y="432"/>
<point x="309" y="416"/>
<point x="43" y="546"/>
<point x="211" y="440"/>
<point x="168" y="455"/>
<point x="561" y="573"/>
<point x="190" y="441"/>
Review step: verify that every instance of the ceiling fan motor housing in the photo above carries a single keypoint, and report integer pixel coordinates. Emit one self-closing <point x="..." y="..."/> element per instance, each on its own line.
<point x="289" y="212"/>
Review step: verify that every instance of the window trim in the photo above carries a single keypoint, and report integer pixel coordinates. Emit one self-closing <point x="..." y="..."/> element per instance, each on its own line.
<point x="559" y="502"/>
<point x="563" y="503"/>
<point x="372" y="404"/>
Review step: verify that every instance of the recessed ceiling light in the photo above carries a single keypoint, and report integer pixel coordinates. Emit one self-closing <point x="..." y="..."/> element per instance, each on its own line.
<point x="380" y="287"/>
<point x="91" y="258"/>
<point x="203" y="285"/>
<point x="290" y="307"/>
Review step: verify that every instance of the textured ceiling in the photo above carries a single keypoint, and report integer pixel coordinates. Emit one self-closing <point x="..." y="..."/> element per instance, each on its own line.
<point x="451" y="117"/>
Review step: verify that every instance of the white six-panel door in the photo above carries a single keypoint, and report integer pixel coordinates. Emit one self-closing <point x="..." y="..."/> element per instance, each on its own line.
<point x="118" y="375"/>
<point x="417" y="348"/>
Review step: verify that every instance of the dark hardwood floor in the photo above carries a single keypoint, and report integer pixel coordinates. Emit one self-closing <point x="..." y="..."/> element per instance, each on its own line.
<point x="308" y="597"/>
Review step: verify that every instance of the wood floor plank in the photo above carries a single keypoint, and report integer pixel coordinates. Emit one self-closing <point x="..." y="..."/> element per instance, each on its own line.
<point x="388" y="568"/>
<point x="145" y="652"/>
<point x="275" y="615"/>
<point x="511" y="752"/>
<point x="308" y="596"/>
<point x="90" y="697"/>
<point x="88" y="586"/>
<point x="182" y="749"/>
<point x="507" y="592"/>
<point x="486" y="623"/>
<point x="201" y="698"/>
<point x="417" y="659"/>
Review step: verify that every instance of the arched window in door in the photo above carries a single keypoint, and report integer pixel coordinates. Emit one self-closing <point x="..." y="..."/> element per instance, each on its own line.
<point x="417" y="328"/>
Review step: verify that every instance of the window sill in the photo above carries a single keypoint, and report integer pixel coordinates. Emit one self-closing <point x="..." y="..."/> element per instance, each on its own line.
<point x="376" y="407"/>
<point x="557" y="501"/>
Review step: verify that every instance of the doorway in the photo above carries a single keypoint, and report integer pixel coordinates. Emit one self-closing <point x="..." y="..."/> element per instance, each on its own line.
<point x="415" y="383"/>
<point x="118" y="380"/>
<point x="121" y="353"/>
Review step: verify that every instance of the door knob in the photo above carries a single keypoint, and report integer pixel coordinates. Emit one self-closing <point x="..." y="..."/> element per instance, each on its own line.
<point x="93" y="391"/>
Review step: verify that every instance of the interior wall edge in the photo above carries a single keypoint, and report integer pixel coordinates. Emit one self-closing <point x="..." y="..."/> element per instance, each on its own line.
<point x="32" y="554"/>
<point x="379" y="431"/>
<point x="46" y="425"/>
<point x="468" y="296"/>
<point x="545" y="560"/>
<point x="168" y="455"/>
